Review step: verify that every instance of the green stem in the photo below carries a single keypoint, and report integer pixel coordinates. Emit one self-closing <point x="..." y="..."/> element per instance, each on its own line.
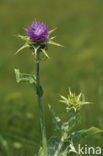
<point x="59" y="148"/>
<point x="42" y="119"/>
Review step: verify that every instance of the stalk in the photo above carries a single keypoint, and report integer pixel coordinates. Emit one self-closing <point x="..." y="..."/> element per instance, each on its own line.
<point x="39" y="98"/>
<point x="59" y="148"/>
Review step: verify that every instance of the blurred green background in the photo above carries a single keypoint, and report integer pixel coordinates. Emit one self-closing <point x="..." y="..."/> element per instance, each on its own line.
<point x="79" y="66"/>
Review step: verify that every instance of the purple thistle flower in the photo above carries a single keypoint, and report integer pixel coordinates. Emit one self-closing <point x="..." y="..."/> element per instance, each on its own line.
<point x="37" y="31"/>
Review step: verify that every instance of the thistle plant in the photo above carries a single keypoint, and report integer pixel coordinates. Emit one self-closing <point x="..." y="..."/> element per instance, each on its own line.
<point x="37" y="39"/>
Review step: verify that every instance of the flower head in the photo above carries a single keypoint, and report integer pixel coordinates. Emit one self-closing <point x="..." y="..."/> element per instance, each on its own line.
<point x="37" y="31"/>
<point x="38" y="38"/>
<point x="74" y="102"/>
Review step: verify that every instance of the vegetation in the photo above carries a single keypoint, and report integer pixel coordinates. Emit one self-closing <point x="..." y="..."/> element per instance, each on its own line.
<point x="78" y="66"/>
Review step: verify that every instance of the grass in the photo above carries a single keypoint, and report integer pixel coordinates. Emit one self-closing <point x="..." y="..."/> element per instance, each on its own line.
<point x="78" y="66"/>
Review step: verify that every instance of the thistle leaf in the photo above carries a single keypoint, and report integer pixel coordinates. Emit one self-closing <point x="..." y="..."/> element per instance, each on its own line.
<point x="77" y="136"/>
<point x="25" y="38"/>
<point x="64" y="98"/>
<point x="45" y="53"/>
<point x="51" y="31"/>
<point x="30" y="78"/>
<point x="52" y="37"/>
<point x="70" y="93"/>
<point x="57" y="121"/>
<point x="53" y="144"/>
<point x="36" y="50"/>
<point x="24" y="46"/>
<point x="55" y="43"/>
<point x="21" y="77"/>
<point x="89" y="132"/>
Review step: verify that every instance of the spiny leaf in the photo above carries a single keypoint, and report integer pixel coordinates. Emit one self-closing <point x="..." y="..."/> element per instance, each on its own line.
<point x="24" y="46"/>
<point x="51" y="31"/>
<point x="63" y="99"/>
<point x="89" y="132"/>
<point x="25" y="38"/>
<point x="21" y="77"/>
<point x="36" y="50"/>
<point x="77" y="136"/>
<point x="52" y="37"/>
<point x="56" y="147"/>
<point x="53" y="144"/>
<point x="54" y="43"/>
<point x="45" y="53"/>
<point x="64" y="126"/>
<point x="57" y="121"/>
<point x="31" y="79"/>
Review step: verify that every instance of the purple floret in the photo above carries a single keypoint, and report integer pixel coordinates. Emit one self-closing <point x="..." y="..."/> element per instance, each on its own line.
<point x="37" y="31"/>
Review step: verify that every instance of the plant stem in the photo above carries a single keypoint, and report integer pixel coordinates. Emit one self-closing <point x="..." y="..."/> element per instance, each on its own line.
<point x="42" y="118"/>
<point x="58" y="149"/>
